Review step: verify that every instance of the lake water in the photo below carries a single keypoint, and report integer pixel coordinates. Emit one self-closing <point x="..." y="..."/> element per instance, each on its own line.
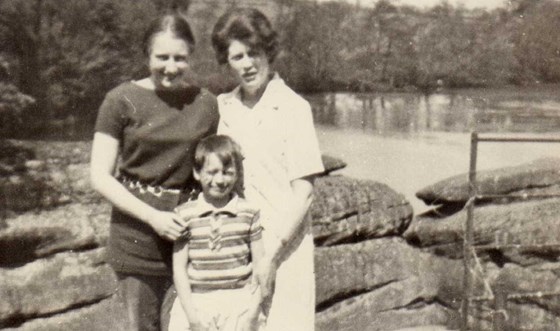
<point x="409" y="141"/>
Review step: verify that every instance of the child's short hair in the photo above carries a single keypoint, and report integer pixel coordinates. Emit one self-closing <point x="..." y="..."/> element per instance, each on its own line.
<point x="228" y="152"/>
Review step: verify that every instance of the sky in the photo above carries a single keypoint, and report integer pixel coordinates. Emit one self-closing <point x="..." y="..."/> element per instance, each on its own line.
<point x="470" y="4"/>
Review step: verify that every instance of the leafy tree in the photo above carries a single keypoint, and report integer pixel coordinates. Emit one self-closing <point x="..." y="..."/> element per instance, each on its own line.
<point x="68" y="54"/>
<point x="313" y="44"/>
<point x="537" y="42"/>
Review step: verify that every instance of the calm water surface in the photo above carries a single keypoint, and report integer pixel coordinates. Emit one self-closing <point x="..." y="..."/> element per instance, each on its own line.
<point x="409" y="141"/>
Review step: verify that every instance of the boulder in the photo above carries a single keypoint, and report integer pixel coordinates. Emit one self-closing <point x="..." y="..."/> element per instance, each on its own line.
<point x="523" y="178"/>
<point x="53" y="285"/>
<point x="72" y="227"/>
<point x="527" y="223"/>
<point x="351" y="210"/>
<point x="374" y="264"/>
<point x="388" y="280"/>
<point x="107" y="314"/>
<point x="370" y="312"/>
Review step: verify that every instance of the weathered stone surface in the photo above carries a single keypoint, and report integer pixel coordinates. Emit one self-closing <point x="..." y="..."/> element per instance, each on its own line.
<point x="528" y="223"/>
<point x="106" y="314"/>
<point x="76" y="179"/>
<point x="52" y="285"/>
<point x="351" y="210"/>
<point x="537" y="174"/>
<point x="381" y="310"/>
<point x="530" y="317"/>
<point x="58" y="152"/>
<point x="537" y="286"/>
<point x="71" y="227"/>
<point x="377" y="263"/>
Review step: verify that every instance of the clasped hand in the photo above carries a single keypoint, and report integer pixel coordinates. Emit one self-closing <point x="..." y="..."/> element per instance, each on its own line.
<point x="168" y="225"/>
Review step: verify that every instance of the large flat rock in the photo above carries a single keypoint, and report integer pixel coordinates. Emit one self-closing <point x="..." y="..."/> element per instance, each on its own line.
<point x="352" y="210"/>
<point x="384" y="284"/>
<point x="381" y="310"/>
<point x="523" y="178"/>
<point x="343" y="271"/>
<point x="71" y="227"/>
<point x="527" y="224"/>
<point x="53" y="285"/>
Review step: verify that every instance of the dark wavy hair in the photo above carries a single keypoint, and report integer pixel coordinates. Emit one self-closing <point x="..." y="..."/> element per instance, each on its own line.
<point x="175" y="23"/>
<point x="227" y="151"/>
<point x="247" y="25"/>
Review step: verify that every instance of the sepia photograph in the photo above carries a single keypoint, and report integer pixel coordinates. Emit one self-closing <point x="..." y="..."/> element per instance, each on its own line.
<point x="280" y="165"/>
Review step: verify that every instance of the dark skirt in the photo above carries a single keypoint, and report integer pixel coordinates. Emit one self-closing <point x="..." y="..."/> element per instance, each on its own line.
<point x="134" y="247"/>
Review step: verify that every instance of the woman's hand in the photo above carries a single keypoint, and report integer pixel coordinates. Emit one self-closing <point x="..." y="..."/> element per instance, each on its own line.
<point x="197" y="322"/>
<point x="167" y="225"/>
<point x="250" y="320"/>
<point x="198" y="325"/>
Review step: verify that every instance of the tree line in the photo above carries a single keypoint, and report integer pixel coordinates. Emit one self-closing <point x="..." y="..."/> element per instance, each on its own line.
<point x="59" y="58"/>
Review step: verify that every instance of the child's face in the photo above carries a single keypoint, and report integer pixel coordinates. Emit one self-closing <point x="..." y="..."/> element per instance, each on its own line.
<point x="216" y="180"/>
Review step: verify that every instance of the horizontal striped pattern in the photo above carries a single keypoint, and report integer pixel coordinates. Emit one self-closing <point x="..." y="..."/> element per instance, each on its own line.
<point x="219" y="243"/>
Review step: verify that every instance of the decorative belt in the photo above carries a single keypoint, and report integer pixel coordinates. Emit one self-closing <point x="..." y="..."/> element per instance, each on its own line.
<point x="158" y="191"/>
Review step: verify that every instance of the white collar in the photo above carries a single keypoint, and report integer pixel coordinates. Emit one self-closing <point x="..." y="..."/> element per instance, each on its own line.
<point x="203" y="207"/>
<point x="269" y="98"/>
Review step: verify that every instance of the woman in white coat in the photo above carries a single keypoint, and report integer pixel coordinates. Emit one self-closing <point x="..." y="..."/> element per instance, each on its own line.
<point x="274" y="127"/>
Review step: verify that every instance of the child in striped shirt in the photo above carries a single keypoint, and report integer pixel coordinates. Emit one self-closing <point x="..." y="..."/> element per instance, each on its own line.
<point x="213" y="266"/>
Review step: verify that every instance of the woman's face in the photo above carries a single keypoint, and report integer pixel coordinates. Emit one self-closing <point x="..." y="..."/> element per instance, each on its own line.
<point x="169" y="62"/>
<point x="251" y="66"/>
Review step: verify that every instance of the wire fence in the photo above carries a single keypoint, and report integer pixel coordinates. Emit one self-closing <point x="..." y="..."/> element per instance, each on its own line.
<point x="498" y="297"/>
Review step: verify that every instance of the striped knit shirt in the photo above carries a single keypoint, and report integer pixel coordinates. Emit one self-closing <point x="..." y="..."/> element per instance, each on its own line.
<point x="219" y="243"/>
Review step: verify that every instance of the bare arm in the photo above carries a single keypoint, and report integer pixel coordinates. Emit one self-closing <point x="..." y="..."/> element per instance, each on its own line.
<point x="261" y="297"/>
<point x="302" y="189"/>
<point x="182" y="283"/>
<point x="104" y="156"/>
<point x="257" y="255"/>
<point x="268" y="264"/>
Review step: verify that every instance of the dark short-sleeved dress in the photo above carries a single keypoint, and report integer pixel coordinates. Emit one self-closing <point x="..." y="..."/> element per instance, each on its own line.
<point x="158" y="132"/>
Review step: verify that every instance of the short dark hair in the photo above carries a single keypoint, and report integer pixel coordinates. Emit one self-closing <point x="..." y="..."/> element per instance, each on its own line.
<point x="248" y="25"/>
<point x="227" y="150"/>
<point x="175" y="23"/>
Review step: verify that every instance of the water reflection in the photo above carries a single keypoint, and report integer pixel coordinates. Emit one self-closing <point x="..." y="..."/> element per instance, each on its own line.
<point x="389" y="113"/>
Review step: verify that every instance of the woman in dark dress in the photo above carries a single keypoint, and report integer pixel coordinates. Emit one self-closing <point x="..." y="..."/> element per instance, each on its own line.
<point x="141" y="161"/>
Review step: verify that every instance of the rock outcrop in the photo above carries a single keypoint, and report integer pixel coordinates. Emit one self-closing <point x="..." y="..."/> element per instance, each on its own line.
<point x="537" y="177"/>
<point x="377" y="266"/>
<point x="350" y="210"/>
<point x="55" y="278"/>
<point x="515" y="237"/>
<point x="388" y="280"/>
